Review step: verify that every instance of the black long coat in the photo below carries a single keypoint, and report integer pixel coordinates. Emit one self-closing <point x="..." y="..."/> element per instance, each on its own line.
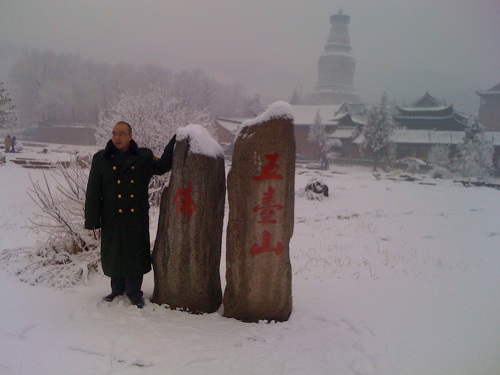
<point x="117" y="202"/>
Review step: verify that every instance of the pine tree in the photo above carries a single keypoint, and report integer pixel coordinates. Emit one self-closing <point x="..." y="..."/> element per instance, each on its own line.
<point x="8" y="114"/>
<point x="378" y="130"/>
<point x="317" y="133"/>
<point x="475" y="156"/>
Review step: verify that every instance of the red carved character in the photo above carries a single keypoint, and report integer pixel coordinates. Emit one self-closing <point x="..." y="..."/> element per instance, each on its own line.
<point x="270" y="171"/>
<point x="267" y="207"/>
<point x="266" y="245"/>
<point x="184" y="202"/>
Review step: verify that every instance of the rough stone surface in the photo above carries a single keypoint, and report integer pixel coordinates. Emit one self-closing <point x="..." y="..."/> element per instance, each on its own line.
<point x="260" y="226"/>
<point x="187" y="251"/>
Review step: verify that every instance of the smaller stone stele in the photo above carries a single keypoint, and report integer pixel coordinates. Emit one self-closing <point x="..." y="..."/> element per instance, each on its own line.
<point x="187" y="250"/>
<point x="261" y="215"/>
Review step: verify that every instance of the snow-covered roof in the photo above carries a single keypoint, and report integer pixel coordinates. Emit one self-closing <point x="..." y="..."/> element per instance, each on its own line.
<point x="429" y="102"/>
<point x="358" y="120"/>
<point x="424" y="109"/>
<point x="420" y="117"/>
<point x="495" y="90"/>
<point x="429" y="109"/>
<point x="407" y="136"/>
<point x="230" y="124"/>
<point x="303" y="115"/>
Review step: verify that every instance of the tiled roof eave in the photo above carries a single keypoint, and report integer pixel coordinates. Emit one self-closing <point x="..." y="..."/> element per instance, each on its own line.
<point x="425" y="108"/>
<point x="488" y="93"/>
<point x="416" y="118"/>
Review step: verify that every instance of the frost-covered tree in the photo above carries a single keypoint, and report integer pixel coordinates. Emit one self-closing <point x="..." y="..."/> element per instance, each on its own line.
<point x="475" y="153"/>
<point x="317" y="133"/>
<point x="378" y="130"/>
<point x="154" y="117"/>
<point x="439" y="155"/>
<point x="439" y="160"/>
<point x="8" y="113"/>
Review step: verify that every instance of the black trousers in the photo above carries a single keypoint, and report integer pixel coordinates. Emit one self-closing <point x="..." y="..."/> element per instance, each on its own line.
<point x="130" y="285"/>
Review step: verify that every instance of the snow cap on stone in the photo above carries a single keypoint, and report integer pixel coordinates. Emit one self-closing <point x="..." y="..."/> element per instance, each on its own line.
<point x="280" y="109"/>
<point x="200" y="141"/>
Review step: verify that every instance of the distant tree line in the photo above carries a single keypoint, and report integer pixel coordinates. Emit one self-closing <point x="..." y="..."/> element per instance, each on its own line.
<point x="66" y="88"/>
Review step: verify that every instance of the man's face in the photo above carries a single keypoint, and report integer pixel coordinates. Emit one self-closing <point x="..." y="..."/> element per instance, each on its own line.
<point x="121" y="137"/>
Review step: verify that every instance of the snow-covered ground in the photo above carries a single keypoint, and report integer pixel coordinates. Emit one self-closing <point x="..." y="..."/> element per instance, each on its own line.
<point x="389" y="277"/>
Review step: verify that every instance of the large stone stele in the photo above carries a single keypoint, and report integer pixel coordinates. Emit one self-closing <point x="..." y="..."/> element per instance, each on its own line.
<point x="187" y="250"/>
<point x="261" y="215"/>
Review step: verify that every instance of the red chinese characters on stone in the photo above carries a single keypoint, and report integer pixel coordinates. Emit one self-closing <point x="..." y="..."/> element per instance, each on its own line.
<point x="267" y="207"/>
<point x="184" y="202"/>
<point x="266" y="245"/>
<point x="270" y="171"/>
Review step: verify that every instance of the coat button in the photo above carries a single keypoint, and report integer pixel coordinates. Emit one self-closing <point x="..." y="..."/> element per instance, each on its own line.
<point x="120" y="210"/>
<point x="133" y="167"/>
<point x="119" y="196"/>
<point x="114" y="167"/>
<point x="132" y="195"/>
<point x="118" y="182"/>
<point x="132" y="210"/>
<point x="131" y="181"/>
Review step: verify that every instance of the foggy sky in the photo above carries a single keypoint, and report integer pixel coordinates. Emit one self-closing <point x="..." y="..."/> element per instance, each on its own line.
<point x="403" y="47"/>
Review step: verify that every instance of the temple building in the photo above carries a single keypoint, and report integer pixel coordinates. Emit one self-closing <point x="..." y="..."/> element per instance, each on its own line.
<point x="336" y="68"/>
<point x="489" y="108"/>
<point x="421" y="125"/>
<point x="429" y="113"/>
<point x="336" y="119"/>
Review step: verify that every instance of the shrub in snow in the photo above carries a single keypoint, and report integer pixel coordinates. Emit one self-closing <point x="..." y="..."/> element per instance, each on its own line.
<point x="315" y="189"/>
<point x="19" y="146"/>
<point x="70" y="252"/>
<point x="439" y="172"/>
<point x="412" y="167"/>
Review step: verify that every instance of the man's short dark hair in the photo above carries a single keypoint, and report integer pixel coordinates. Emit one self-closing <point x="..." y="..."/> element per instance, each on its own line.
<point x="125" y="123"/>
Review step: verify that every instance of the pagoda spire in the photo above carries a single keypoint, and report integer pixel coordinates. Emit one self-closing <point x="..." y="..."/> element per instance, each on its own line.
<point x="336" y="65"/>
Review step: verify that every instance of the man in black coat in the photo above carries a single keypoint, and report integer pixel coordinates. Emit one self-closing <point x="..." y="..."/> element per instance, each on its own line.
<point x="117" y="202"/>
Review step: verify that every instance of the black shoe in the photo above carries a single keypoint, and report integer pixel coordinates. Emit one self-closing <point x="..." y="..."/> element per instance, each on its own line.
<point x="112" y="296"/>
<point x="137" y="301"/>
